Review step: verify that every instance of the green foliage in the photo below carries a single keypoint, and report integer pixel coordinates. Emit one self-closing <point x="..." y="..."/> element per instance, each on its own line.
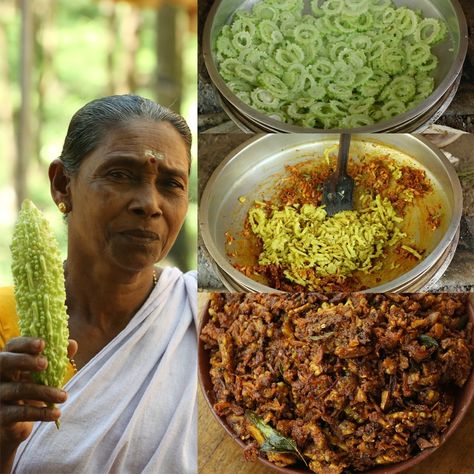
<point x="78" y="72"/>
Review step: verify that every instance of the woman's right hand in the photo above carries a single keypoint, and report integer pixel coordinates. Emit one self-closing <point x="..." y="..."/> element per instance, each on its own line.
<point x="22" y="401"/>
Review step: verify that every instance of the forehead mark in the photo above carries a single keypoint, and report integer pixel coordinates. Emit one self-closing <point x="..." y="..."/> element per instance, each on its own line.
<point x="152" y="156"/>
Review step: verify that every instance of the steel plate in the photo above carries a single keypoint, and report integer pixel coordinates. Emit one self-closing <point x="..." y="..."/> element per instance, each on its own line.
<point x="253" y="169"/>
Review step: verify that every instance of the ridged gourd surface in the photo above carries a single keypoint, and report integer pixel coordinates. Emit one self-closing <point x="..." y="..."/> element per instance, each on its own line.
<point x="39" y="290"/>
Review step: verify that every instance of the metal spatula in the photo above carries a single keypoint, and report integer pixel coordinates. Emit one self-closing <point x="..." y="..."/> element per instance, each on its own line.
<point x="338" y="189"/>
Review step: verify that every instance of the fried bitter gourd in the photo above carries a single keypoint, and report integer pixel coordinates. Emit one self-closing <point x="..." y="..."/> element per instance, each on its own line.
<point x="39" y="291"/>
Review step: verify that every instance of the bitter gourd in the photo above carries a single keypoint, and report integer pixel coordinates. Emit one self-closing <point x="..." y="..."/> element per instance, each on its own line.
<point x="39" y="290"/>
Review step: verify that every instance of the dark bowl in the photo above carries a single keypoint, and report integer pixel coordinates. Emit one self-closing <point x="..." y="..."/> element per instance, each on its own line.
<point x="463" y="399"/>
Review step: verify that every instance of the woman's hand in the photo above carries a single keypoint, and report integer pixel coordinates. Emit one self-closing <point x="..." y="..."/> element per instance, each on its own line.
<point x="21" y="400"/>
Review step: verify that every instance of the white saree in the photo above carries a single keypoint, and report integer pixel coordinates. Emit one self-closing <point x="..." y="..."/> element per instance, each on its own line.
<point x="132" y="408"/>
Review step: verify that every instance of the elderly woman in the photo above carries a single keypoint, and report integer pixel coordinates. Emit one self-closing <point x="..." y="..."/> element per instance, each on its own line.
<point x="122" y="183"/>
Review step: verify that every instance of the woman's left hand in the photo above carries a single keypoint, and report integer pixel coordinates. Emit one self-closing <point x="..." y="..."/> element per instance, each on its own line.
<point x="21" y="400"/>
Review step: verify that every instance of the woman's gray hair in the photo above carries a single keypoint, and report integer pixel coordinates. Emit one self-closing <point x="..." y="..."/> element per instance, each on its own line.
<point x="91" y="123"/>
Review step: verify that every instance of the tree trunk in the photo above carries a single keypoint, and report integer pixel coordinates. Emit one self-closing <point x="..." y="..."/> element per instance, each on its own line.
<point x="170" y="27"/>
<point x="171" y="23"/>
<point x="44" y="34"/>
<point x="24" y="128"/>
<point x="110" y="11"/>
<point x="6" y="105"/>
<point x="130" y="34"/>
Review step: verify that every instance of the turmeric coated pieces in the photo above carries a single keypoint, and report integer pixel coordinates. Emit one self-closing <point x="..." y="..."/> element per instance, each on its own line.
<point x="299" y="248"/>
<point x="300" y="237"/>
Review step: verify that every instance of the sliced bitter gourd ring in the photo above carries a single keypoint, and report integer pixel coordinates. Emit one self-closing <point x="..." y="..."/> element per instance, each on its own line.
<point x="430" y="31"/>
<point x="339" y="107"/>
<point x="392" y="108"/>
<point x="430" y="64"/>
<point x="353" y="58"/>
<point x="356" y="7"/>
<point x="288" y="5"/>
<point x="402" y="88"/>
<point x="269" y="32"/>
<point x="345" y="77"/>
<point x="240" y="86"/>
<point x="363" y="75"/>
<point x="376" y="50"/>
<point x="264" y="99"/>
<point x="264" y="11"/>
<point x="407" y="21"/>
<point x="252" y="57"/>
<point x="297" y="112"/>
<point x="364" y="21"/>
<point x="336" y="91"/>
<point x="307" y="84"/>
<point x="301" y="109"/>
<point x="327" y="113"/>
<point x="287" y="27"/>
<point x="271" y="66"/>
<point x="323" y="68"/>
<point x="247" y="73"/>
<point x="228" y="68"/>
<point x="361" y="42"/>
<point x="242" y="40"/>
<point x="388" y="16"/>
<point x="379" y="5"/>
<point x="335" y="49"/>
<point x="424" y="86"/>
<point x="290" y="16"/>
<point x="292" y="77"/>
<point x="243" y="24"/>
<point x="307" y="33"/>
<point x="274" y="84"/>
<point x="418" y="54"/>
<point x="333" y="7"/>
<point x="361" y="106"/>
<point x="344" y="24"/>
<point x="393" y="60"/>
<point x="317" y="92"/>
<point x="225" y="48"/>
<point x="289" y="55"/>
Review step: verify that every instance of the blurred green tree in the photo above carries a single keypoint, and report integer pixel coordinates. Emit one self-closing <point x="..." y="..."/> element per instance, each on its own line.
<point x="55" y="56"/>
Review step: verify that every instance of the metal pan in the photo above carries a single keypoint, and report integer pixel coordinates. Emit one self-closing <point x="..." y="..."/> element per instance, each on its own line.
<point x="417" y="124"/>
<point x="254" y="168"/>
<point x="463" y="400"/>
<point x="451" y="53"/>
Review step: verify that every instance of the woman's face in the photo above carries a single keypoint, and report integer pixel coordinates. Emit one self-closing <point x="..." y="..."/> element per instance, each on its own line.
<point x="130" y="196"/>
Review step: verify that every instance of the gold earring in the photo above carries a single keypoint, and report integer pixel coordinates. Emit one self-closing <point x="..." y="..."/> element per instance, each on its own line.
<point x="62" y="207"/>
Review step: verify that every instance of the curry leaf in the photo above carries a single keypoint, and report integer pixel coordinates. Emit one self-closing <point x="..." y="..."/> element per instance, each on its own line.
<point x="428" y="341"/>
<point x="274" y="442"/>
<point x="463" y="322"/>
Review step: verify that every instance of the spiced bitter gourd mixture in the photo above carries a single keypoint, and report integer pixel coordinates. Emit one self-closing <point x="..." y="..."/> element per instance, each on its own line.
<point x="345" y="382"/>
<point x="300" y="248"/>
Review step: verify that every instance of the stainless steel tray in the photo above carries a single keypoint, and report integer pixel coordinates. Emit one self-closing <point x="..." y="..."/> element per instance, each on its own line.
<point x="251" y="171"/>
<point x="451" y="52"/>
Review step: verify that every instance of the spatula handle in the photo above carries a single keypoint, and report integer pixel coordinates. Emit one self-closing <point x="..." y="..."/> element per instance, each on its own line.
<point x="343" y="157"/>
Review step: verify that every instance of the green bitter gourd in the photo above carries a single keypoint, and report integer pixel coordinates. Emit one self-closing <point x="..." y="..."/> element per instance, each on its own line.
<point x="39" y="291"/>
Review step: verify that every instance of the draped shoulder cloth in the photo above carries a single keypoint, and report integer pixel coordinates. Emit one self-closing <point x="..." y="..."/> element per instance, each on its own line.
<point x="132" y="408"/>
